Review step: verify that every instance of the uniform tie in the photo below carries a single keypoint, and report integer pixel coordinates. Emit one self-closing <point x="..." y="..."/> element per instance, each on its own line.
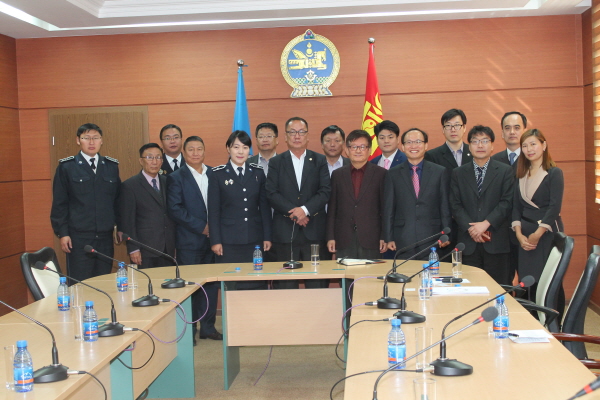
<point x="92" y="160"/>
<point x="415" y="180"/>
<point x="240" y="172"/>
<point x="176" y="167"/>
<point x="154" y="185"/>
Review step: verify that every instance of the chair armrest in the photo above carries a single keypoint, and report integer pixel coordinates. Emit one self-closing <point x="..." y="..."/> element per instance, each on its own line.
<point x="573" y="337"/>
<point x="551" y="314"/>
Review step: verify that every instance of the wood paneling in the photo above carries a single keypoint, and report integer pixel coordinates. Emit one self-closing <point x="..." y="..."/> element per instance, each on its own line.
<point x="37" y="201"/>
<point x="586" y="45"/>
<point x="8" y="72"/>
<point x="13" y="288"/>
<point x="573" y="210"/>
<point x="12" y="230"/>
<point x="35" y="148"/>
<point x="10" y="153"/>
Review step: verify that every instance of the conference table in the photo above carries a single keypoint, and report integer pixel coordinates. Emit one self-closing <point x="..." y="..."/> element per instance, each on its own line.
<point x="289" y="317"/>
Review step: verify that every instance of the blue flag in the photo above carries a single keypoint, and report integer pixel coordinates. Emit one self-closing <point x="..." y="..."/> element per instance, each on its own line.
<point x="241" y="121"/>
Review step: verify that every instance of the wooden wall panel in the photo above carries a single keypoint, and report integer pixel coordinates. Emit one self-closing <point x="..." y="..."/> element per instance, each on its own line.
<point x="414" y="57"/>
<point x="12" y="286"/>
<point x="8" y="72"/>
<point x="12" y="230"/>
<point x="10" y="153"/>
<point x="586" y="45"/>
<point x="36" y="141"/>
<point x="573" y="210"/>
<point x="37" y="202"/>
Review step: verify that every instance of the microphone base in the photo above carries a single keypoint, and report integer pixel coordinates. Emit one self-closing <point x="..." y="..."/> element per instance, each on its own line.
<point x="398" y="278"/>
<point x="447" y="367"/>
<point x="173" y="283"/>
<point x="110" y="329"/>
<point x="146" y="301"/>
<point x="389" y="303"/>
<point x="292" y="265"/>
<point x="50" y="373"/>
<point x="409" y="317"/>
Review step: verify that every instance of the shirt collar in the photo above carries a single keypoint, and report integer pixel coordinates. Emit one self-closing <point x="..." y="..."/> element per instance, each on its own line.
<point x="391" y="157"/>
<point x="260" y="157"/>
<point x="363" y="168"/>
<point x="194" y="172"/>
<point x="517" y="151"/>
<point x="235" y="167"/>
<point x="301" y="157"/>
<point x="170" y="159"/>
<point x="419" y="165"/>
<point x="149" y="178"/>
<point x="454" y="152"/>
<point x="88" y="158"/>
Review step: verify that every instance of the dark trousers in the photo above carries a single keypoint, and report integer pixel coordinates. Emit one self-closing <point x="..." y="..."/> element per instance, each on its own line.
<point x="82" y="265"/>
<point x="156" y="262"/>
<point x="496" y="265"/>
<point x="199" y="301"/>
<point x="355" y="250"/>
<point x="241" y="253"/>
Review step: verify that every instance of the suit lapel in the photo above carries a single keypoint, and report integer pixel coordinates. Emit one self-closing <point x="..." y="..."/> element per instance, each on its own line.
<point x="449" y="157"/>
<point x="191" y="181"/>
<point x="405" y="173"/>
<point x="425" y="177"/>
<point x="466" y="154"/>
<point x="146" y="186"/>
<point x="366" y="182"/>
<point x="163" y="189"/>
<point x="490" y="175"/>
<point x="288" y="166"/>
<point x="308" y="167"/>
<point x="469" y="175"/>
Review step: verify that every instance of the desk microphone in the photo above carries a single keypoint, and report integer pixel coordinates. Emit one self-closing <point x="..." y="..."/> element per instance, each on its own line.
<point x="292" y="264"/>
<point x="587" y="389"/>
<point x="487" y="315"/>
<point x="388" y="303"/>
<point x="410" y="317"/>
<point x="447" y="367"/>
<point x="113" y="328"/>
<point x="50" y="373"/>
<point x="150" y="299"/>
<point x="171" y="283"/>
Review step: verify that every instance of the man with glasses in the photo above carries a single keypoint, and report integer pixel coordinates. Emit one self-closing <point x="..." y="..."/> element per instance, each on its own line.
<point x="454" y="152"/>
<point x="416" y="198"/>
<point x="84" y="205"/>
<point x="172" y="141"/>
<point x="332" y="142"/>
<point x="144" y="211"/>
<point x="481" y="195"/>
<point x="298" y="188"/>
<point x="388" y="140"/>
<point x="513" y="124"/>
<point x="267" y="141"/>
<point x="356" y="203"/>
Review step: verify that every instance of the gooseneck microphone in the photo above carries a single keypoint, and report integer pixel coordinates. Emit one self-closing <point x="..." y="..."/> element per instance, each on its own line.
<point x="394" y="277"/>
<point x="150" y="299"/>
<point x="50" y="373"/>
<point x="410" y="317"/>
<point x="487" y="315"/>
<point x="451" y="367"/>
<point x="177" y="282"/>
<point x="390" y="303"/>
<point x="292" y="264"/>
<point x="113" y="328"/>
<point x="587" y="389"/>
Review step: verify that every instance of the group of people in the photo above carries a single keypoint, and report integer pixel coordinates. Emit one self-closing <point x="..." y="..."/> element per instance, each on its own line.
<point x="504" y="207"/>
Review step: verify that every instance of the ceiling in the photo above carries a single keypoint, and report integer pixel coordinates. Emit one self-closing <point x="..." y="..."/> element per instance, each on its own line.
<point x="48" y="18"/>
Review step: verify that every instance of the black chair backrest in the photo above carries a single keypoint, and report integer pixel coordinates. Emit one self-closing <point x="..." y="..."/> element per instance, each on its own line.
<point x="28" y="261"/>
<point x="575" y="315"/>
<point x="565" y="245"/>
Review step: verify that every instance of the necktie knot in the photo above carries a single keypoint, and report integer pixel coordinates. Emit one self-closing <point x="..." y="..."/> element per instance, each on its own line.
<point x="154" y="185"/>
<point x="387" y="163"/>
<point x="175" y="166"/>
<point x="512" y="157"/>
<point x="240" y="172"/>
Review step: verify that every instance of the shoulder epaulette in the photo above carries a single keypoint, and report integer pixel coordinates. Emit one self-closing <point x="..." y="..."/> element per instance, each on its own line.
<point x="219" y="167"/>
<point x="256" y="165"/>
<point x="111" y="159"/>
<point x="66" y="159"/>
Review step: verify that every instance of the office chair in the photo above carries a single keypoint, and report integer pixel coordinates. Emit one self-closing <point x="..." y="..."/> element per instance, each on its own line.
<point x="40" y="283"/>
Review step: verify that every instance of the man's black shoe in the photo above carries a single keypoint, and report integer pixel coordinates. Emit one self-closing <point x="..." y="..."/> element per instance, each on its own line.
<point x="213" y="336"/>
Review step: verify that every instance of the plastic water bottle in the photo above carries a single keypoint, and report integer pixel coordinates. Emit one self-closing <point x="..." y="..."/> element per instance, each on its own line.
<point x="122" y="278"/>
<point x="501" y="322"/>
<point x="63" y="296"/>
<point x="426" y="286"/>
<point x="90" y="322"/>
<point x="434" y="260"/>
<point x="23" y="368"/>
<point x="257" y="259"/>
<point x="396" y="345"/>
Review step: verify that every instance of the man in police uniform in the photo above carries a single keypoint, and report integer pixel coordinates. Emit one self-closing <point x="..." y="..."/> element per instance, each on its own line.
<point x="84" y="206"/>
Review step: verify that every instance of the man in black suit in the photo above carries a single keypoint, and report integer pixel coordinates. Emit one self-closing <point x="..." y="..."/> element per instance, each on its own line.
<point x="267" y="141"/>
<point x="144" y="211"/>
<point x="187" y="199"/>
<point x="513" y="125"/>
<point x="388" y="140"/>
<point x="332" y="142"/>
<point x="172" y="139"/>
<point x="298" y="188"/>
<point x="454" y="152"/>
<point x="481" y="195"/>
<point x="416" y="197"/>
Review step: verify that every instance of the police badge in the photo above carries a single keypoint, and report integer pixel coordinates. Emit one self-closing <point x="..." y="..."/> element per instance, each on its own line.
<point x="310" y="63"/>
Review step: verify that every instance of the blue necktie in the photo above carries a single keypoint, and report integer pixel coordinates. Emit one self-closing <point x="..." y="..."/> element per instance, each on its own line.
<point x="154" y="185"/>
<point x="511" y="158"/>
<point x="479" y="178"/>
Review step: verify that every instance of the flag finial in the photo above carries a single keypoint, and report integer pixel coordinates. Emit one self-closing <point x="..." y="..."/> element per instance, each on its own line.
<point x="371" y="40"/>
<point x="240" y="63"/>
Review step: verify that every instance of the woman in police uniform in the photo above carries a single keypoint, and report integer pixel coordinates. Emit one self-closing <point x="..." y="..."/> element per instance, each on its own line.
<point x="239" y="213"/>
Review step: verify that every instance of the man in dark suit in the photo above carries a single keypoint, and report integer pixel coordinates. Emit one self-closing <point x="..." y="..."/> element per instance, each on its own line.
<point x="332" y="142"/>
<point x="388" y="140"/>
<point x="481" y="195"/>
<point x="84" y="205"/>
<point x="453" y="153"/>
<point x="356" y="203"/>
<point x="416" y="197"/>
<point x="144" y="211"/>
<point x="267" y="141"/>
<point x="186" y="202"/>
<point x="172" y="139"/>
<point x="298" y="188"/>
<point x="513" y="125"/>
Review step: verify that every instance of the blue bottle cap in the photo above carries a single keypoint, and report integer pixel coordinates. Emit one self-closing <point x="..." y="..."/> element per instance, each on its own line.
<point x="89" y="303"/>
<point x="396" y="322"/>
<point x="433" y="249"/>
<point x="21" y="343"/>
<point x="425" y="265"/>
<point x="500" y="299"/>
<point x="121" y="264"/>
<point x="257" y="247"/>
<point x="63" y="279"/>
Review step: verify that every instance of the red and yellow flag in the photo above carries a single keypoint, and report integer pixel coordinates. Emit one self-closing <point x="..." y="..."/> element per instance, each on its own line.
<point x="372" y="113"/>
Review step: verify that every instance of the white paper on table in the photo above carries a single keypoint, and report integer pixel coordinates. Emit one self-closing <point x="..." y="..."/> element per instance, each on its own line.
<point x="458" y="290"/>
<point x="530" y="336"/>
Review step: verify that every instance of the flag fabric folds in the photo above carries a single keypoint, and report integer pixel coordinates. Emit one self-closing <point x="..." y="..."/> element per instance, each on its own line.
<point x="372" y="112"/>
<point x="241" y="121"/>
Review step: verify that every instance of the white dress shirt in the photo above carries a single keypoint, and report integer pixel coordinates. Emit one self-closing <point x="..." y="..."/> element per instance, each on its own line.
<point x="202" y="181"/>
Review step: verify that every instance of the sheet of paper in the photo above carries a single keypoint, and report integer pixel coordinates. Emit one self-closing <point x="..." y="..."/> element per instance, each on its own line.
<point x="458" y="290"/>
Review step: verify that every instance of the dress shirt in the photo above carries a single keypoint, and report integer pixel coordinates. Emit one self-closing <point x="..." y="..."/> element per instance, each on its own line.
<point x="264" y="163"/>
<point x="149" y="179"/>
<point x="357" y="175"/>
<point x="202" y="181"/>
<point x="457" y="154"/>
<point x="419" y="168"/>
<point x="89" y="160"/>
<point x="475" y="166"/>
<point x="381" y="162"/>
<point x="338" y="164"/>
<point x="298" y="164"/>
<point x="235" y="168"/>
<point x="517" y="152"/>
<point x="171" y="163"/>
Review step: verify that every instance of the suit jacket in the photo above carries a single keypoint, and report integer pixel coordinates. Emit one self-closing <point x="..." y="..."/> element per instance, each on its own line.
<point x="399" y="158"/>
<point x="187" y="209"/>
<point x="442" y="155"/>
<point x="408" y="218"/>
<point x="166" y="167"/>
<point x="503" y="158"/>
<point x="283" y="194"/>
<point x="144" y="216"/>
<point x="239" y="209"/>
<point x="363" y="214"/>
<point x="493" y="204"/>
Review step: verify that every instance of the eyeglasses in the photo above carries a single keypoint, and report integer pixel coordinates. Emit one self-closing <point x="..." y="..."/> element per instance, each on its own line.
<point x="294" y="133"/>
<point x="411" y="142"/>
<point x="269" y="137"/>
<point x="91" y="138"/>
<point x="452" y="127"/>
<point x="171" y="138"/>
<point x="150" y="158"/>
<point x="476" y="142"/>
<point x="362" y="147"/>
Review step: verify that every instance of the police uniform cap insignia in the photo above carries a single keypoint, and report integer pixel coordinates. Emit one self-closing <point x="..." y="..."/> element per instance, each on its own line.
<point x="111" y="159"/>
<point x="66" y="159"/>
<point x="256" y="166"/>
<point x="219" y="167"/>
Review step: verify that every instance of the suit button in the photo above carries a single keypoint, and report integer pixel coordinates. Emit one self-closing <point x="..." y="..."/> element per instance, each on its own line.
<point x="245" y="219"/>
<point x="245" y="209"/>
<point x="245" y="199"/>
<point x="244" y="189"/>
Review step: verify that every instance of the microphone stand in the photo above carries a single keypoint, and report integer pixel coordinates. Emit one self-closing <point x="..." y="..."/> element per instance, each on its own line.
<point x="50" y="373"/>
<point x="292" y="264"/>
<point x="177" y="282"/>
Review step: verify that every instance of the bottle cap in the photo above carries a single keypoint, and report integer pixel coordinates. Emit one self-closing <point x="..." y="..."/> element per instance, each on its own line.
<point x="425" y="265"/>
<point x="238" y="269"/>
<point x="89" y="303"/>
<point x="396" y="322"/>
<point x="21" y="343"/>
<point x="121" y="264"/>
<point x="257" y="247"/>
<point x="63" y="279"/>
<point x="433" y="249"/>
<point x="500" y="299"/>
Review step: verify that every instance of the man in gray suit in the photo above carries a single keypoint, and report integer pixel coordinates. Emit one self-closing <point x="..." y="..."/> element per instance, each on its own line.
<point x="332" y="142"/>
<point x="144" y="211"/>
<point x="513" y="125"/>
<point x="267" y="141"/>
<point x="481" y="195"/>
